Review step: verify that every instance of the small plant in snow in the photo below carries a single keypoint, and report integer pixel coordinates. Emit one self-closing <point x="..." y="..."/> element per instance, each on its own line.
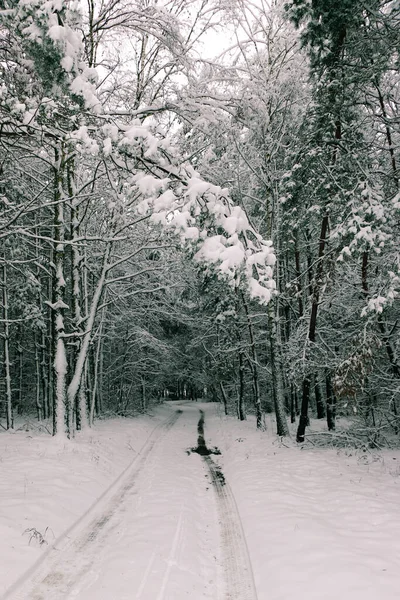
<point x="36" y="536"/>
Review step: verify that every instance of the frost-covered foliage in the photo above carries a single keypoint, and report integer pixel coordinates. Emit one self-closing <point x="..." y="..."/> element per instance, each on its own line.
<point x="118" y="142"/>
<point x="194" y="210"/>
<point x="237" y="248"/>
<point x="99" y="183"/>
<point x="46" y="33"/>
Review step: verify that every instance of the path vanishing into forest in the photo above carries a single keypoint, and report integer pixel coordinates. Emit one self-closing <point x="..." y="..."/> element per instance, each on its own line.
<point x="168" y="528"/>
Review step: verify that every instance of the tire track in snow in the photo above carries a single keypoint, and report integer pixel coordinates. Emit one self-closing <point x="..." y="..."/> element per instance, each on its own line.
<point x="66" y="562"/>
<point x="235" y="556"/>
<point x="236" y="564"/>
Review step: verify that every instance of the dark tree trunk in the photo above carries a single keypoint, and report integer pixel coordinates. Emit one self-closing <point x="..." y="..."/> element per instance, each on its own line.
<point x="253" y="365"/>
<point x="241" y="405"/>
<point x="395" y="425"/>
<point x="298" y="281"/>
<point x="330" y="403"/>
<point x="312" y="327"/>
<point x="276" y="369"/>
<point x="224" y="398"/>
<point x="99" y="379"/>
<point x="310" y="271"/>
<point x="388" y="136"/>
<point x="364" y="272"/>
<point x="143" y="393"/>
<point x="318" y="398"/>
<point x="44" y="384"/>
<point x="39" y="404"/>
<point x="303" y="421"/>
<point x="292" y="404"/>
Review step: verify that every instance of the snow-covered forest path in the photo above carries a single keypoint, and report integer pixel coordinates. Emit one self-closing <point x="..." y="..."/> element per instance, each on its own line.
<point x="167" y="530"/>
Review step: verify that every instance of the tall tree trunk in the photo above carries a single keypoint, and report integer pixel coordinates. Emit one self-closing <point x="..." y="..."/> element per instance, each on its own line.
<point x="51" y="345"/>
<point x="42" y="400"/>
<point x="318" y="398"/>
<point x="254" y="370"/>
<point x="7" y="364"/>
<point x="364" y="273"/>
<point x="299" y="286"/>
<point x="241" y="404"/>
<point x="224" y="397"/>
<point x="292" y="404"/>
<point x="388" y="136"/>
<point x="43" y="377"/>
<point x="20" y="361"/>
<point x="99" y="379"/>
<point x="86" y="338"/>
<point x="282" y="428"/>
<point x="76" y="264"/>
<point x="330" y="403"/>
<point x="89" y="375"/>
<point x="310" y="270"/>
<point x="303" y="421"/>
<point x="97" y="371"/>
<point x="39" y="405"/>
<point x="60" y="359"/>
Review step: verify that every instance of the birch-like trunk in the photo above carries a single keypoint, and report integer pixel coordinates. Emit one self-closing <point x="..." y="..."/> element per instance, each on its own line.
<point x="79" y="403"/>
<point x="51" y="345"/>
<point x="73" y="387"/>
<point x="59" y="306"/>
<point x="97" y="371"/>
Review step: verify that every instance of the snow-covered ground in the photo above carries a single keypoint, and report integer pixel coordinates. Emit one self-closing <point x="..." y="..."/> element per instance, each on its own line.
<point x="318" y="523"/>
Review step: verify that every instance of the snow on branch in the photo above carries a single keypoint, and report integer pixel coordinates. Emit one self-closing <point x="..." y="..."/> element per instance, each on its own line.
<point x="44" y="22"/>
<point x="204" y="216"/>
<point x="367" y="228"/>
<point x="175" y="196"/>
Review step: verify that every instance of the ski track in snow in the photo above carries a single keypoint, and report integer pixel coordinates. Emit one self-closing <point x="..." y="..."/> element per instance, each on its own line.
<point x="70" y="560"/>
<point x="199" y="553"/>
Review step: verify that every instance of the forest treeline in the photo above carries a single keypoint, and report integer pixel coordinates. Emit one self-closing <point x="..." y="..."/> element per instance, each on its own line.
<point x="201" y="199"/>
